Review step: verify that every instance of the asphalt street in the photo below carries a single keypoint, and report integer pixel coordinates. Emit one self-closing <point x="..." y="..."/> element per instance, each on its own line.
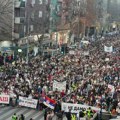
<point x="6" y="113"/>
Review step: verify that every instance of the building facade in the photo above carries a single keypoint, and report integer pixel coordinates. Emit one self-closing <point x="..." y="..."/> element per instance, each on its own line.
<point x="37" y="16"/>
<point x="19" y="19"/>
<point x="113" y="7"/>
<point x="73" y="17"/>
<point x="55" y="9"/>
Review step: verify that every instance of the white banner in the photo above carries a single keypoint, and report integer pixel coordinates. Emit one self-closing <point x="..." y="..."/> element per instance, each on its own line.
<point x="72" y="52"/>
<point x="75" y="108"/>
<point x="35" y="50"/>
<point x="83" y="119"/>
<point x="5" y="99"/>
<point x="60" y="86"/>
<point x="111" y="87"/>
<point x="27" y="102"/>
<point x="108" y="49"/>
<point x="86" y="53"/>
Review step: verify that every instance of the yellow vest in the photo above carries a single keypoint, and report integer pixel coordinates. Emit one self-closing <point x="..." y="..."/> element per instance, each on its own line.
<point x="84" y="113"/>
<point x="73" y="117"/>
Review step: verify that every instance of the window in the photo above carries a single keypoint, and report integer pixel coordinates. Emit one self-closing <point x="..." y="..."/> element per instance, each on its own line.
<point x="32" y="3"/>
<point x="18" y="28"/>
<point x="40" y="14"/>
<point x="31" y="28"/>
<point x="22" y="12"/>
<point x="24" y="29"/>
<point x="79" y="3"/>
<point x="32" y="16"/>
<point x="46" y="1"/>
<point x="40" y="1"/>
<point x="17" y="12"/>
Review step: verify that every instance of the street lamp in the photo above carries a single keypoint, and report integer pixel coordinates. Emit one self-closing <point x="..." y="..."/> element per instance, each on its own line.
<point x="19" y="50"/>
<point x="20" y="53"/>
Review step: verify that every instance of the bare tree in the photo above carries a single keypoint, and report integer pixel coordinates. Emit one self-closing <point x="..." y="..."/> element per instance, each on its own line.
<point x="91" y="12"/>
<point x="6" y="19"/>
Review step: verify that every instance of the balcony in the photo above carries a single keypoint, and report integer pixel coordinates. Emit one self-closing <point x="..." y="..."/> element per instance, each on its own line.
<point x="19" y="4"/>
<point x="16" y="35"/>
<point x="19" y="20"/>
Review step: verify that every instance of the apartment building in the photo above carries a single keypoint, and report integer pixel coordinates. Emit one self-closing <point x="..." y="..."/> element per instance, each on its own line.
<point x="19" y="19"/>
<point x="37" y="16"/>
<point x="113" y="7"/>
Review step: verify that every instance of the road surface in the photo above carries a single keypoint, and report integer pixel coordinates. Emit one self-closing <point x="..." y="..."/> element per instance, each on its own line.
<point x="6" y="113"/>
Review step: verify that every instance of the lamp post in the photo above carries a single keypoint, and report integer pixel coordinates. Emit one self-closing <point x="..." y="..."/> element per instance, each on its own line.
<point x="27" y="58"/>
<point x="20" y="52"/>
<point x="79" y="10"/>
<point x="27" y="40"/>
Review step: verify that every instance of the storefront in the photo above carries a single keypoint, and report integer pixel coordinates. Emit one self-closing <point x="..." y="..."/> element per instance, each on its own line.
<point x="61" y="37"/>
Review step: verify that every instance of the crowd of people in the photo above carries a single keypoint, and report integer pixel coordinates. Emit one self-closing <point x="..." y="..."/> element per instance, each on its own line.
<point x="88" y="77"/>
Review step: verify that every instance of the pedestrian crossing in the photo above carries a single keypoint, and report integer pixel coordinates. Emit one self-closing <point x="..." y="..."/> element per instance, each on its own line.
<point x="6" y="113"/>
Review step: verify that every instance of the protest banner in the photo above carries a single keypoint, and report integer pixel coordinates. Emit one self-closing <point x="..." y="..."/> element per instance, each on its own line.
<point x="107" y="59"/>
<point x="86" y="53"/>
<point x="83" y="119"/>
<point x="111" y="87"/>
<point x="75" y="108"/>
<point x="60" y="86"/>
<point x="4" y="99"/>
<point x="72" y="52"/>
<point x="27" y="102"/>
<point x="108" y="49"/>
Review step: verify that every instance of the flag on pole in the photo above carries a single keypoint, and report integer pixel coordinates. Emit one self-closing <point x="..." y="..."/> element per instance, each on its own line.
<point x="49" y="102"/>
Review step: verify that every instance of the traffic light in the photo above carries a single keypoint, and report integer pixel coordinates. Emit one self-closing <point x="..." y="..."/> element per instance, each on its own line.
<point x="64" y="49"/>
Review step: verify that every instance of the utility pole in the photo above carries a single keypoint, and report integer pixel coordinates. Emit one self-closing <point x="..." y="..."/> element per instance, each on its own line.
<point x="28" y="32"/>
<point x="27" y="59"/>
<point x="79" y="10"/>
<point x="13" y="19"/>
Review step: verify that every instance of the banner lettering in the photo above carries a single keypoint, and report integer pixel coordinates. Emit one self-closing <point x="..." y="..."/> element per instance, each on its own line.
<point x="60" y="86"/>
<point x="27" y="102"/>
<point x="75" y="108"/>
<point x="4" y="99"/>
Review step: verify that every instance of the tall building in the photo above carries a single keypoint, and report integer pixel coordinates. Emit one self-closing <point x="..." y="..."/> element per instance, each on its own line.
<point x="55" y="9"/>
<point x="37" y="16"/>
<point x="113" y="10"/>
<point x="19" y="19"/>
<point x="12" y="24"/>
<point x="12" y="19"/>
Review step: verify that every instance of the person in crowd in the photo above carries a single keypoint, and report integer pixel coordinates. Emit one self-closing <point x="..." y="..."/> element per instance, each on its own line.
<point x="57" y="107"/>
<point x="22" y="117"/>
<point x="68" y="115"/>
<point x="89" y="113"/>
<point x="14" y="117"/>
<point x="45" y="114"/>
<point x="90" y="79"/>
